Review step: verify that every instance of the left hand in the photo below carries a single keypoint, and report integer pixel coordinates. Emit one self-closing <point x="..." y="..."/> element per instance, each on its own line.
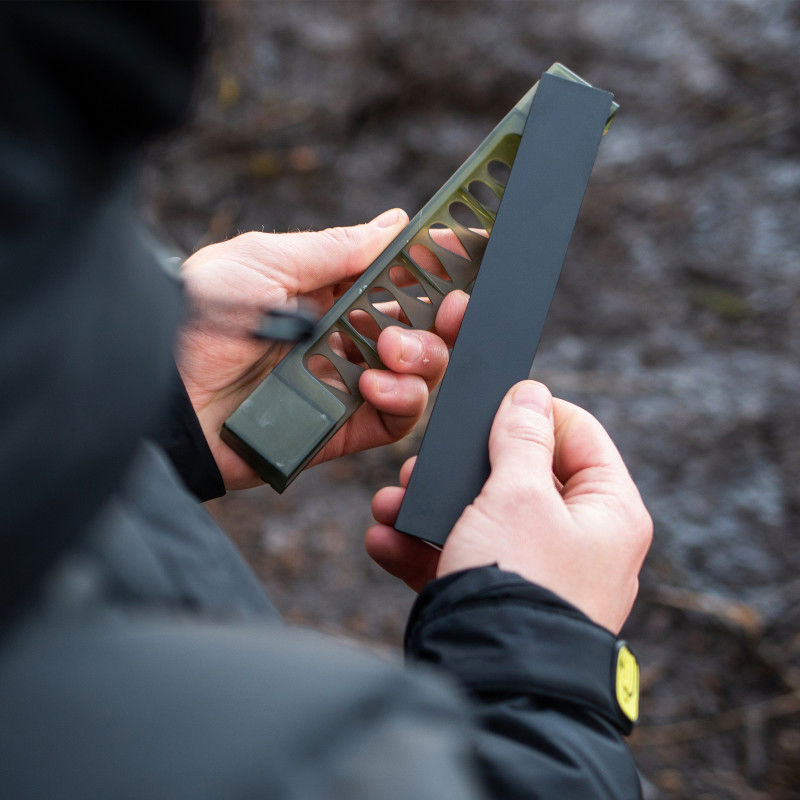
<point x="220" y="371"/>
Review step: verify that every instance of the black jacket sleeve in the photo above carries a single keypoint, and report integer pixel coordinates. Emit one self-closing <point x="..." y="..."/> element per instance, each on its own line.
<point x="540" y="675"/>
<point x="180" y="436"/>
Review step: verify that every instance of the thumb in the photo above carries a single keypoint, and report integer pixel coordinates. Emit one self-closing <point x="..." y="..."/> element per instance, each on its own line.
<point x="315" y="259"/>
<point x="522" y="440"/>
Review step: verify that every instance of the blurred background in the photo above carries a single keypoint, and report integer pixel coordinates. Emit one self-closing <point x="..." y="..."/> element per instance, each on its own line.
<point x="676" y="321"/>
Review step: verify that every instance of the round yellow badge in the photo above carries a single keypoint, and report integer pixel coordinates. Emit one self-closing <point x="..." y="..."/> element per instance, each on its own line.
<point x="627" y="683"/>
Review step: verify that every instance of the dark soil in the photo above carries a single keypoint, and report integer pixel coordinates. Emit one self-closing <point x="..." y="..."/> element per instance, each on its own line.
<point x="676" y="322"/>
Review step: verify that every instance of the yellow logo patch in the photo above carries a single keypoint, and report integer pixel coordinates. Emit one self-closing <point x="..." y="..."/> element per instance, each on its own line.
<point x="627" y="683"/>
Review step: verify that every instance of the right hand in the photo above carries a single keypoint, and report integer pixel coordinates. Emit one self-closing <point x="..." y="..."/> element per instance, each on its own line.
<point x="586" y="541"/>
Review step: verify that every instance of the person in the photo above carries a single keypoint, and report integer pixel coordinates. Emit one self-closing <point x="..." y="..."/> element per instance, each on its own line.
<point x="139" y="656"/>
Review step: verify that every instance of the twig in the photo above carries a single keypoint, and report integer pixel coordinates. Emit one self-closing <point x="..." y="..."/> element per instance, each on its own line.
<point x="729" y="612"/>
<point x="691" y="729"/>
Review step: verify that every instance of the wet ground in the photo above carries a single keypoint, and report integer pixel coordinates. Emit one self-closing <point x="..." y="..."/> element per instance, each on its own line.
<point x="677" y="320"/>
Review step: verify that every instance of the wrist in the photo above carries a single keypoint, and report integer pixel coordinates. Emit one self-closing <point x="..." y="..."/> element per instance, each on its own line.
<point x="185" y="442"/>
<point x="494" y="632"/>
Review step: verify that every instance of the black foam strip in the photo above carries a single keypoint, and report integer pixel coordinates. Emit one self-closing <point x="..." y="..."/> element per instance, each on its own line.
<point x="509" y="303"/>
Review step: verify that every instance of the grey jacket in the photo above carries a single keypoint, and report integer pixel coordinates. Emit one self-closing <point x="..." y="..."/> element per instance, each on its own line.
<point x="152" y="665"/>
<point x="139" y="656"/>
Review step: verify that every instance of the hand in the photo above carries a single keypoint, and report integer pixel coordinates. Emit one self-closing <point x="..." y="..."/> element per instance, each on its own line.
<point x="219" y="371"/>
<point x="559" y="508"/>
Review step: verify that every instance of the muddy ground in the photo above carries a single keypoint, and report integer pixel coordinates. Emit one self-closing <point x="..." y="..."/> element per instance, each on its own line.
<point x="676" y="321"/>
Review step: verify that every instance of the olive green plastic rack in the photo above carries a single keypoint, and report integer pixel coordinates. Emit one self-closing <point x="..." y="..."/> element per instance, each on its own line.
<point x="292" y="413"/>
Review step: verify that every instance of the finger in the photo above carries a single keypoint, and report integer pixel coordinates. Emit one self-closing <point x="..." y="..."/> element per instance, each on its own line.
<point x="344" y="347"/>
<point x="386" y="504"/>
<point x="447" y="324"/>
<point x="425" y="258"/>
<point x="448" y="239"/>
<point x="309" y="260"/>
<point x="413" y="352"/>
<point x="449" y="316"/>
<point x="584" y="452"/>
<point x="365" y="324"/>
<point x="323" y="370"/>
<point x="366" y="429"/>
<point x="448" y="320"/>
<point x="406" y="470"/>
<point x="522" y="439"/>
<point x="445" y="238"/>
<point x="405" y="557"/>
<point x="399" y="399"/>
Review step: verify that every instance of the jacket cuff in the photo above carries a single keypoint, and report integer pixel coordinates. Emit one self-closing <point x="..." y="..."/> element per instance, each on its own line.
<point x="498" y="633"/>
<point x="182" y="439"/>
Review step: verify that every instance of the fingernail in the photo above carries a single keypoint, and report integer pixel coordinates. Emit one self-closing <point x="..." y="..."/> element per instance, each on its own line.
<point x="388" y="219"/>
<point x="410" y="347"/>
<point x="387" y="383"/>
<point x="533" y="396"/>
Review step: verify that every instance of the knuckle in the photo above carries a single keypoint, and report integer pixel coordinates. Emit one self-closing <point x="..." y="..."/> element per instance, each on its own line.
<point x="579" y="419"/>
<point x="482" y="514"/>
<point x="645" y="528"/>
<point x="512" y="496"/>
<point x="341" y="237"/>
<point x="531" y="433"/>
<point x="580" y="413"/>
<point x="634" y="591"/>
<point x="523" y="494"/>
<point x="640" y="530"/>
<point x="250" y="240"/>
